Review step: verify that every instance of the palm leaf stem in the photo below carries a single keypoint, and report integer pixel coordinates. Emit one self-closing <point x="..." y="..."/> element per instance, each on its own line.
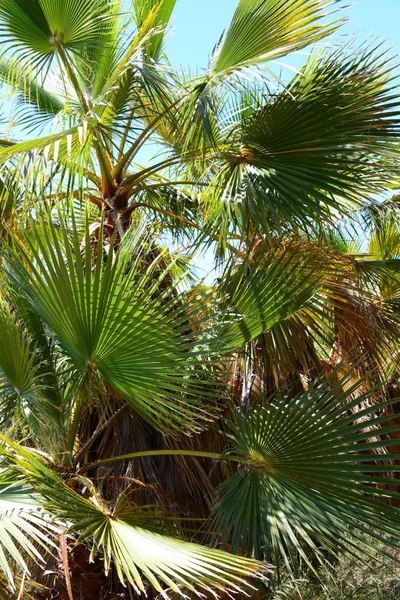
<point x="135" y="178"/>
<point x="147" y="453"/>
<point x="108" y="183"/>
<point x="72" y="75"/>
<point x="107" y="180"/>
<point x="125" y="134"/>
<point x="73" y="433"/>
<point x="154" y="186"/>
<point x="147" y="131"/>
<point x="78" y="456"/>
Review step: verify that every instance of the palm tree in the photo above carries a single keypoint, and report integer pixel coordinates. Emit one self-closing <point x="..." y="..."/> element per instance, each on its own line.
<point x="158" y="433"/>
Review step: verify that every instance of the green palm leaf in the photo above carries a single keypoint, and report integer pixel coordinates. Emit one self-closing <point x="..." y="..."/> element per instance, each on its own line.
<point x="17" y="356"/>
<point x="265" y="290"/>
<point x="266" y="30"/>
<point x="128" y="541"/>
<point x="34" y="28"/>
<point x="311" y="480"/>
<point x="43" y="101"/>
<point x="51" y="143"/>
<point x="25" y="531"/>
<point x="163" y="9"/>
<point x="118" y="320"/>
<point x="25" y="379"/>
<point x="319" y="147"/>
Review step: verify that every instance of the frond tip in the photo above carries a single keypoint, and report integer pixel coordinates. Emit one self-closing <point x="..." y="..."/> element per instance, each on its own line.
<point x="262" y="31"/>
<point x="179" y="565"/>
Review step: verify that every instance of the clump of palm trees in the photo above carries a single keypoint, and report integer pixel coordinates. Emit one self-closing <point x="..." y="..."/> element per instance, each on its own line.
<point x="160" y="433"/>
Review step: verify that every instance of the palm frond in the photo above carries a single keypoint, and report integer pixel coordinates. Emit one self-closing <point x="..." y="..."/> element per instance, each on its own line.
<point x="265" y="289"/>
<point x="32" y="29"/>
<point x="128" y="542"/>
<point x="40" y="102"/>
<point x="48" y="143"/>
<point x="23" y="380"/>
<point x="320" y="147"/>
<point x="25" y="530"/>
<point x="310" y="481"/>
<point x="263" y="31"/>
<point x="163" y="11"/>
<point x="120" y="323"/>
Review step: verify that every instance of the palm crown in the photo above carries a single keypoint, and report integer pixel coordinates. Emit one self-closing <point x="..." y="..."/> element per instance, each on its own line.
<point x="183" y="436"/>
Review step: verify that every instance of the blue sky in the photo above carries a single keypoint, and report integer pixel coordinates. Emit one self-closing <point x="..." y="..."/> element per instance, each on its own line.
<point x="197" y="25"/>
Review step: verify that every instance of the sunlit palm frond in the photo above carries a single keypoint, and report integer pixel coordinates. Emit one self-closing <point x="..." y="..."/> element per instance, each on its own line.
<point x="264" y="290"/>
<point x="39" y="102"/>
<point x="319" y="147"/>
<point x="343" y="319"/>
<point x="129" y="542"/>
<point x="34" y="28"/>
<point x="22" y="381"/>
<point x="262" y="31"/>
<point x="25" y="530"/>
<point x="163" y="11"/>
<point x="122" y="323"/>
<point x="48" y="142"/>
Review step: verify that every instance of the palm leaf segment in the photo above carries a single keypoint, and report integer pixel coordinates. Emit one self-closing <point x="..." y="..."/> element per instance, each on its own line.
<point x="310" y="478"/>
<point x="25" y="529"/>
<point x="162" y="12"/>
<point x="18" y="374"/>
<point x="264" y="290"/>
<point x="34" y="28"/>
<point x="28" y="389"/>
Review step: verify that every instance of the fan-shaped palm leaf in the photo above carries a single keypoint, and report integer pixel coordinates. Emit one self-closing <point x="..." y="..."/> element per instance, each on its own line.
<point x="309" y="479"/>
<point x="265" y="290"/>
<point x="117" y="320"/>
<point x="128" y="541"/>
<point x="20" y="379"/>
<point x="35" y="28"/>
<point x="268" y="29"/>
<point x="315" y="148"/>
<point x="25" y="530"/>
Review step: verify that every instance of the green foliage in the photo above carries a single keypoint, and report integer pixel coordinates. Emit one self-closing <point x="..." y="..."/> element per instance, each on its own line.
<point x="35" y="27"/>
<point x="262" y="31"/>
<point x="266" y="292"/>
<point x="25" y="531"/>
<point x="306" y="481"/>
<point x="126" y="537"/>
<point x="162" y="13"/>
<point x="103" y="317"/>
<point x="142" y="411"/>
<point x="301" y="153"/>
